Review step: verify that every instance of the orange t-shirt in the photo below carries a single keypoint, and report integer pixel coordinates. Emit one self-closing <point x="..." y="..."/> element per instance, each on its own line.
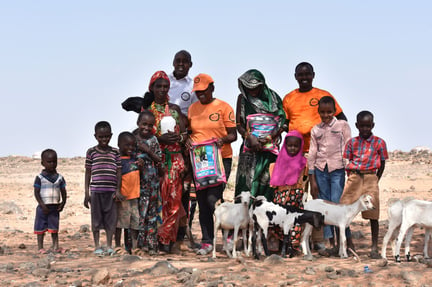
<point x="301" y="110"/>
<point x="130" y="185"/>
<point x="210" y="121"/>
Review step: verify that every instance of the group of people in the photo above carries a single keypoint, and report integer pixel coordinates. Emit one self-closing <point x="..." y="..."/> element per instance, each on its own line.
<point x="144" y="186"/>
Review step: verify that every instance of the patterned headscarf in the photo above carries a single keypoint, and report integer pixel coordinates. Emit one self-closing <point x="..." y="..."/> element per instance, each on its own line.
<point x="156" y="76"/>
<point x="288" y="168"/>
<point x="267" y="102"/>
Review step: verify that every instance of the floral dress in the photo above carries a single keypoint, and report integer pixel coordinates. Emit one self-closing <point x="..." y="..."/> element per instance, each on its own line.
<point x="150" y="203"/>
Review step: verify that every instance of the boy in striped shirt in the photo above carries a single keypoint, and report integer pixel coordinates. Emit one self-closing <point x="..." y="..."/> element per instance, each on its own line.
<point x="103" y="180"/>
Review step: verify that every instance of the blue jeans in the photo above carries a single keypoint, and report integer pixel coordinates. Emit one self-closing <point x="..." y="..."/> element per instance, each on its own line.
<point x="331" y="186"/>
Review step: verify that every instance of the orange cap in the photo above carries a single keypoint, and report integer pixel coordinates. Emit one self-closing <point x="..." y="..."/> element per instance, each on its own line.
<point x="201" y="82"/>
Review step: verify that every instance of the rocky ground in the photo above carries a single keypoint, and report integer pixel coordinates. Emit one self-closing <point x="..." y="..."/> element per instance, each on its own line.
<point x="406" y="175"/>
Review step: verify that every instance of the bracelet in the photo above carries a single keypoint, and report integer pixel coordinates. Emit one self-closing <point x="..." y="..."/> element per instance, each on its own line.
<point x="181" y="138"/>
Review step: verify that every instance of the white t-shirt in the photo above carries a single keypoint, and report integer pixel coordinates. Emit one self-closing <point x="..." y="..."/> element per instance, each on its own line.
<point x="180" y="92"/>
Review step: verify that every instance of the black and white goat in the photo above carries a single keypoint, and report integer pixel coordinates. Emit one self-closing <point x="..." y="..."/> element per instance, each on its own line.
<point x="235" y="216"/>
<point x="407" y="214"/>
<point x="265" y="214"/>
<point x="339" y="215"/>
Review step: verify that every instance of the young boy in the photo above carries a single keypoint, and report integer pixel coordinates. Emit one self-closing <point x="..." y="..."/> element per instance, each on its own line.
<point x="50" y="193"/>
<point x="127" y="210"/>
<point x="325" y="161"/>
<point x="366" y="154"/>
<point x="103" y="180"/>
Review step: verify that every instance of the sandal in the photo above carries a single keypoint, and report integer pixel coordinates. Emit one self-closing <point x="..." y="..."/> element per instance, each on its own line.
<point x="60" y="250"/>
<point x="138" y="252"/>
<point x="98" y="252"/>
<point x="43" y="251"/>
<point x="109" y="252"/>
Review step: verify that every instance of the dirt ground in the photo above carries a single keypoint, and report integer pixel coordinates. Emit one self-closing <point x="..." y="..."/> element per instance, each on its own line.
<point x="406" y="175"/>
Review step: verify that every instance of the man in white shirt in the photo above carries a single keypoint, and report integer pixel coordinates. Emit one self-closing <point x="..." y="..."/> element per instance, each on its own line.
<point x="180" y="91"/>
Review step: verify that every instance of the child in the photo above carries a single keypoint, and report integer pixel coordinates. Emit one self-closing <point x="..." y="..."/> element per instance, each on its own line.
<point x="103" y="180"/>
<point x="366" y="156"/>
<point x="127" y="210"/>
<point x="150" y="206"/>
<point x="325" y="161"/>
<point x="50" y="193"/>
<point x="287" y="175"/>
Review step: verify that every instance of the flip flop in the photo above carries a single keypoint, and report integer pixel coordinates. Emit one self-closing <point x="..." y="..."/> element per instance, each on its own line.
<point x="60" y="250"/>
<point x="109" y="252"/>
<point x="138" y="252"/>
<point x="98" y="252"/>
<point x="43" y="251"/>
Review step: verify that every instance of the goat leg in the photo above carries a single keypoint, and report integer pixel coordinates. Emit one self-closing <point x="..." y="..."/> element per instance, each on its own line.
<point x="264" y="243"/>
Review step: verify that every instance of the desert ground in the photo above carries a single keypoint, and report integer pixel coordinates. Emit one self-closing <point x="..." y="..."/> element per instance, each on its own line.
<point x="407" y="174"/>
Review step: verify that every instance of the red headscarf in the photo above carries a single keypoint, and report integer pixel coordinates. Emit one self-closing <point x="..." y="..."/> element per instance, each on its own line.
<point x="288" y="168"/>
<point x="158" y="75"/>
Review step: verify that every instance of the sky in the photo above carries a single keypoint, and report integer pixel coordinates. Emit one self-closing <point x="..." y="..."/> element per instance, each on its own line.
<point x="65" y="65"/>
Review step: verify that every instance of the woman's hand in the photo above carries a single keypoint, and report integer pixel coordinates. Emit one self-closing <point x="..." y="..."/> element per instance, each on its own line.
<point x="254" y="143"/>
<point x="169" y="138"/>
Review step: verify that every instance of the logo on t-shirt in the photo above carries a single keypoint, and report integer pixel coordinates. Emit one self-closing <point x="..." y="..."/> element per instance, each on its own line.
<point x="313" y="102"/>
<point x="214" y="117"/>
<point x="185" y="96"/>
<point x="231" y="117"/>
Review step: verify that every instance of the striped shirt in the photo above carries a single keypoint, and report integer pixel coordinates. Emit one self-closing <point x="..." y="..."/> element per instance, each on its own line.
<point x="50" y="186"/>
<point x="365" y="155"/>
<point x="103" y="166"/>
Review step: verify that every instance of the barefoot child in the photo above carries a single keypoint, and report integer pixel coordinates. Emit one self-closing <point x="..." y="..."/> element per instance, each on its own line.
<point x="287" y="175"/>
<point x="366" y="156"/>
<point x="50" y="193"/>
<point x="102" y="186"/>
<point x="150" y="207"/>
<point x="326" y="163"/>
<point x="127" y="209"/>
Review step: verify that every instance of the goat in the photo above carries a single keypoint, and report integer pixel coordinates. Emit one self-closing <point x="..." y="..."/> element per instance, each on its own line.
<point x="408" y="215"/>
<point x="235" y="216"/>
<point x="265" y="214"/>
<point x="339" y="215"/>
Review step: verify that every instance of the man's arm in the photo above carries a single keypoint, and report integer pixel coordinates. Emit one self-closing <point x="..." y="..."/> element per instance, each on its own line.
<point x="381" y="169"/>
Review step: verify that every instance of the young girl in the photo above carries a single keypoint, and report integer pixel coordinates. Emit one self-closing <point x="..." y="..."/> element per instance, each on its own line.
<point x="150" y="207"/>
<point x="286" y="176"/>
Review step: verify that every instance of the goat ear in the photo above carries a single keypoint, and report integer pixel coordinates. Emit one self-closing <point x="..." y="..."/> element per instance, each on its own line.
<point x="252" y="197"/>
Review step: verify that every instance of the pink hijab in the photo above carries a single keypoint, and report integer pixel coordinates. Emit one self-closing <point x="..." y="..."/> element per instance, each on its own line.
<point x="288" y="168"/>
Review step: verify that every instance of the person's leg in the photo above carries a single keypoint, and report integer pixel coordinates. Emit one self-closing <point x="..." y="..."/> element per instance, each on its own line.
<point x="55" y="242"/>
<point x="96" y="236"/>
<point x="40" y="239"/>
<point x="134" y="236"/>
<point x="117" y="237"/>
<point x="375" y="232"/>
<point x="325" y="192"/>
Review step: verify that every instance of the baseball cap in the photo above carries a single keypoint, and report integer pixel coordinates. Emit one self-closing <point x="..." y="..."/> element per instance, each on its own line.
<point x="201" y="82"/>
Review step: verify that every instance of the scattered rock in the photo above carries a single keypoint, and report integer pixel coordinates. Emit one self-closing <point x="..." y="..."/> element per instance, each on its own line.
<point x="131" y="258"/>
<point x="101" y="277"/>
<point x="22" y="246"/>
<point x="329" y="269"/>
<point x="44" y="263"/>
<point x="40" y="272"/>
<point x="9" y="207"/>
<point x="411" y="276"/>
<point x="309" y="271"/>
<point x="381" y="262"/>
<point x="161" y="268"/>
<point x="84" y="228"/>
<point x="274" y="260"/>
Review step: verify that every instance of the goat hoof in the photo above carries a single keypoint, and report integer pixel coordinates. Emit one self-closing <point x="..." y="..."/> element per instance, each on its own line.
<point x="308" y="258"/>
<point x="397" y="259"/>
<point x="408" y="258"/>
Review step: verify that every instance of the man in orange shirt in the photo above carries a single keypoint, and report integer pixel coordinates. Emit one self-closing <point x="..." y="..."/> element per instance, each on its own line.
<point x="301" y="108"/>
<point x="301" y="105"/>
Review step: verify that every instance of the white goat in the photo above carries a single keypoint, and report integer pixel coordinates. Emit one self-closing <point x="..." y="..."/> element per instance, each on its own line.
<point x="339" y="215"/>
<point x="265" y="214"/>
<point x="411" y="213"/>
<point x="235" y="216"/>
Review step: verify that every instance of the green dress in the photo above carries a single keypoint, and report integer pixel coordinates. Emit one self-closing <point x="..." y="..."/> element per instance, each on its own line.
<point x="253" y="167"/>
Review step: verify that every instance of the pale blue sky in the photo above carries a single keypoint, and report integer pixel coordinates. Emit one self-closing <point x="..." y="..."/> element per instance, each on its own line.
<point x="66" y="65"/>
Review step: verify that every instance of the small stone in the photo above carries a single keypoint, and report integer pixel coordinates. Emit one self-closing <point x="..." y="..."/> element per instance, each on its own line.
<point x="40" y="272"/>
<point x="22" y="246"/>
<point x="381" y="262"/>
<point x="101" y="277"/>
